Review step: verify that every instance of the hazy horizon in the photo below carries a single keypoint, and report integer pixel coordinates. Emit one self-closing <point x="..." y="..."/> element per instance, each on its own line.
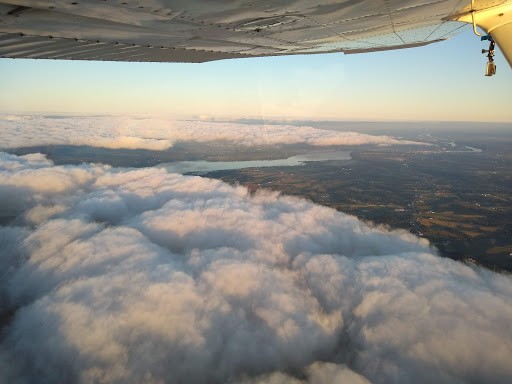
<point x="246" y="119"/>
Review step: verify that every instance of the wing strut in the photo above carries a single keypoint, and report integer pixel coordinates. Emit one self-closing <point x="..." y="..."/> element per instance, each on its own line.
<point x="475" y="31"/>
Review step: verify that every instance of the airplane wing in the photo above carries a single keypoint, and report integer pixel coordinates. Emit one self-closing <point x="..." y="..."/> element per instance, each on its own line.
<point x="206" y="30"/>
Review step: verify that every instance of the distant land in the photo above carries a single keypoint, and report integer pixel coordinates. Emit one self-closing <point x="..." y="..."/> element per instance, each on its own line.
<point x="456" y="192"/>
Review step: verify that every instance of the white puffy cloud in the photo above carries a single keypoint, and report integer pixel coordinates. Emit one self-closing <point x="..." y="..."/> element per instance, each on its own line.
<point x="316" y="373"/>
<point x="160" y="134"/>
<point x="141" y="276"/>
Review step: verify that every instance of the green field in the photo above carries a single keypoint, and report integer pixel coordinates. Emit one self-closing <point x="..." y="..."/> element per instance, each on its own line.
<point x="461" y="202"/>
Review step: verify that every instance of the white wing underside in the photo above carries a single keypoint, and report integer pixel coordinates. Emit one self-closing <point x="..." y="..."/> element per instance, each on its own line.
<point x="205" y="30"/>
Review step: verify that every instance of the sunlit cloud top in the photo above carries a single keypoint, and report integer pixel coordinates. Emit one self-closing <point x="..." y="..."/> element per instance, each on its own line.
<point x="160" y="134"/>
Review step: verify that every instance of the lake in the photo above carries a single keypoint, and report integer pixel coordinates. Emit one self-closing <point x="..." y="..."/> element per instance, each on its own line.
<point x="294" y="161"/>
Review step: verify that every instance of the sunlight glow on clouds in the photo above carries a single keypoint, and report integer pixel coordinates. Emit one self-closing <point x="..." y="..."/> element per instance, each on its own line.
<point x="159" y="134"/>
<point x="130" y="276"/>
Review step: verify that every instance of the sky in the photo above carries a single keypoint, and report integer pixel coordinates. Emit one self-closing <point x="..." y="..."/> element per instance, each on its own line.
<point x="439" y="82"/>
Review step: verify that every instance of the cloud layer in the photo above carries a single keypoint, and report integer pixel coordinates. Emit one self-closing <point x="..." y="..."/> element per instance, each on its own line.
<point x="158" y="134"/>
<point x="140" y="276"/>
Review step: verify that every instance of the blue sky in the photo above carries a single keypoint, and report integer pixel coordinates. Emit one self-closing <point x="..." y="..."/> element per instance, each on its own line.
<point x="439" y="82"/>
